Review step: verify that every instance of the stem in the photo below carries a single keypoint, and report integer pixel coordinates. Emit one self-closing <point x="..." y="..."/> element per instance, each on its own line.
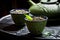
<point x="31" y="2"/>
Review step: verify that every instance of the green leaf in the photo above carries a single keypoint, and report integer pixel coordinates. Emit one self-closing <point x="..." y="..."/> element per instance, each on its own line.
<point x="28" y="17"/>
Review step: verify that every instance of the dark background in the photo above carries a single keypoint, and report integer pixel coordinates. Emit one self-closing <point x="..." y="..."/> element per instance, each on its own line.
<point x="7" y="5"/>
